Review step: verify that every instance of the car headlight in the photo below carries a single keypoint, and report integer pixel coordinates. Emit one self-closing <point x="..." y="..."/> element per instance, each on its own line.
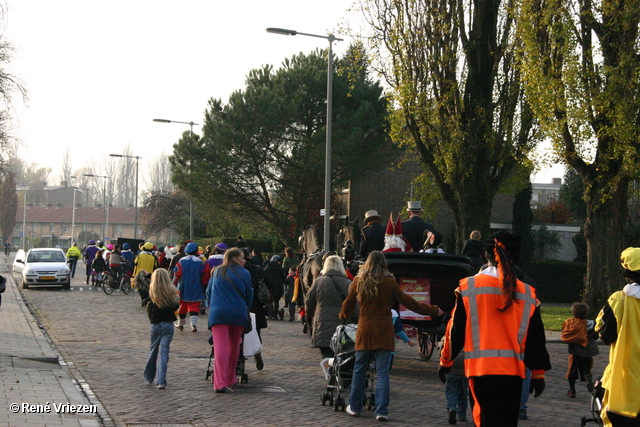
<point x="64" y="271"/>
<point x="26" y="271"/>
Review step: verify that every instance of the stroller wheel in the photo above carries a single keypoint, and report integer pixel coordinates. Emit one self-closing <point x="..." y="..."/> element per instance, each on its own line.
<point x="281" y="314"/>
<point x="323" y="398"/>
<point x="207" y="375"/>
<point x="244" y="379"/>
<point x="371" y="402"/>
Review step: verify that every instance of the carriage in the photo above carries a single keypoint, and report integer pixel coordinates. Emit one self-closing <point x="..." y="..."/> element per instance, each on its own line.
<point x="430" y="279"/>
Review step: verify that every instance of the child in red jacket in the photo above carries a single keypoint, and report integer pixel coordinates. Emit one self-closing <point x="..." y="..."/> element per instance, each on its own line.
<point x="579" y="333"/>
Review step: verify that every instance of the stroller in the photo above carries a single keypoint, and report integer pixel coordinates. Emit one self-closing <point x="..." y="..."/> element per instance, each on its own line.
<point x="338" y="370"/>
<point x="596" y="406"/>
<point x="243" y="377"/>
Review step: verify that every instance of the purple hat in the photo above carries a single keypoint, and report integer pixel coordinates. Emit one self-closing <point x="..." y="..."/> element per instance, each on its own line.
<point x="92" y="242"/>
<point x="222" y="246"/>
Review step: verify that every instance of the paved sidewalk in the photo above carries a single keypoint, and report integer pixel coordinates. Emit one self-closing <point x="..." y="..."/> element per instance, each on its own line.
<point x="35" y="389"/>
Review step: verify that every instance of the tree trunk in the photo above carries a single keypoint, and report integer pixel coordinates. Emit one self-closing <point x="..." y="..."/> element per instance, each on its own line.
<point x="475" y="214"/>
<point x="604" y="232"/>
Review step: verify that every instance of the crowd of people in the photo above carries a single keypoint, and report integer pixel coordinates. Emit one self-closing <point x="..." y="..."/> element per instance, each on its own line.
<point x="493" y="350"/>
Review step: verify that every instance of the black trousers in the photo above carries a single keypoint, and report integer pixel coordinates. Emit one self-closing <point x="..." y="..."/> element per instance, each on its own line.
<point x="622" y="421"/>
<point x="495" y="400"/>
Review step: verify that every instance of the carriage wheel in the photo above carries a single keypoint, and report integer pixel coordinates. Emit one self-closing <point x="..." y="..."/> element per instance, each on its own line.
<point x="244" y="379"/>
<point x="426" y="344"/>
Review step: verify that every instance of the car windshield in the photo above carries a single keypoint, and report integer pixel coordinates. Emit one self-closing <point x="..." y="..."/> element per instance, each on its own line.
<point x="46" y="256"/>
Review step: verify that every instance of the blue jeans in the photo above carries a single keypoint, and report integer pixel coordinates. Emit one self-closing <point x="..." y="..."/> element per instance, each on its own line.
<point x="161" y="335"/>
<point x="72" y="265"/>
<point x="457" y="392"/>
<point x="358" y="382"/>
<point x="524" y="396"/>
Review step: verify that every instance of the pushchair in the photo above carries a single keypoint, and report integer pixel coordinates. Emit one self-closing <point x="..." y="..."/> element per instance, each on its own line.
<point x="243" y="377"/>
<point x="338" y="370"/>
<point x="597" y="395"/>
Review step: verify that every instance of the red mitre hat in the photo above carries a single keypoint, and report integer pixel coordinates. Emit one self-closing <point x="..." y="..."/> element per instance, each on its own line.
<point x="389" y="231"/>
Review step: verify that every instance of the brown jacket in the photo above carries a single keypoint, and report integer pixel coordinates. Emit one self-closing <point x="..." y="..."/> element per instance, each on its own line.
<point x="375" y="327"/>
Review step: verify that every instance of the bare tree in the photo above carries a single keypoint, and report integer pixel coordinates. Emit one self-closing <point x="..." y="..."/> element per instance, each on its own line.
<point x="158" y="178"/>
<point x="66" y="168"/>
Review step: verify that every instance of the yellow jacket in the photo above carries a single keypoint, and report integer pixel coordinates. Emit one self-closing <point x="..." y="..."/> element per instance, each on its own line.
<point x="621" y="378"/>
<point x="74" y="252"/>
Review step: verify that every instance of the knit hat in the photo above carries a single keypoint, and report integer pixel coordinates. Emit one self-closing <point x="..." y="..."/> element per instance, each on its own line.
<point x="630" y="259"/>
<point x="191" y="248"/>
<point x="125" y="246"/>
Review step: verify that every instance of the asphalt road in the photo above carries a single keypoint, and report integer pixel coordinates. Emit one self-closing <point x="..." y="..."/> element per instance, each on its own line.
<point x="104" y="340"/>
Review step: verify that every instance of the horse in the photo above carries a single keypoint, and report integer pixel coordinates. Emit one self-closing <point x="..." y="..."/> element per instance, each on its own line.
<point x="308" y="241"/>
<point x="349" y="237"/>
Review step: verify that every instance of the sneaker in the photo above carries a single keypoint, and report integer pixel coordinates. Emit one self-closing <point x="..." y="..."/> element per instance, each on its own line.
<point x="589" y="379"/>
<point x="452" y="416"/>
<point x="161" y="387"/>
<point x="259" y="362"/>
<point x="179" y="326"/>
<point x="571" y="394"/>
<point x="352" y="413"/>
<point x="382" y="417"/>
<point x="522" y="415"/>
<point x="194" y="329"/>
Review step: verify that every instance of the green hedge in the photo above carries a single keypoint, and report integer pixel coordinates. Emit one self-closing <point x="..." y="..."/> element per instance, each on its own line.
<point x="557" y="281"/>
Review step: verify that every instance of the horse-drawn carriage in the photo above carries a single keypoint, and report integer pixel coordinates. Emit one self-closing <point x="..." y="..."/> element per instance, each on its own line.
<point x="430" y="279"/>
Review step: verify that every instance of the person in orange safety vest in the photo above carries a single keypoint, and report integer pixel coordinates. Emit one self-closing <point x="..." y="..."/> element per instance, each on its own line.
<point x="496" y="321"/>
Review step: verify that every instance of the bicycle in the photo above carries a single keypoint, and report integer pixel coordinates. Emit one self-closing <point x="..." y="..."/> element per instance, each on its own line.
<point x="111" y="283"/>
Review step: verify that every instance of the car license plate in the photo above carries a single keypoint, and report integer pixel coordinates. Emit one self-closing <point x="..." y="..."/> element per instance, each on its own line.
<point x="47" y="278"/>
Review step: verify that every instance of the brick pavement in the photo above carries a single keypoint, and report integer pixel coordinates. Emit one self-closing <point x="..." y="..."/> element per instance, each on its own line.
<point x="105" y="341"/>
<point x="29" y="369"/>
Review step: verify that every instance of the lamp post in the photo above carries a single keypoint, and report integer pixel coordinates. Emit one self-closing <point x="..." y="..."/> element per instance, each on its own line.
<point x="73" y="211"/>
<point x="104" y="200"/>
<point x="135" y="215"/>
<point x="24" y="218"/>
<point x="327" y="169"/>
<point x="190" y="203"/>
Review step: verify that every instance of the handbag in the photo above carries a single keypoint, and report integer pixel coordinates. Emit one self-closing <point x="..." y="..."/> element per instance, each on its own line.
<point x="264" y="297"/>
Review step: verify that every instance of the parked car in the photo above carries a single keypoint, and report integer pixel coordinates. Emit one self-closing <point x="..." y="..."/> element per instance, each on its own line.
<point x="42" y="266"/>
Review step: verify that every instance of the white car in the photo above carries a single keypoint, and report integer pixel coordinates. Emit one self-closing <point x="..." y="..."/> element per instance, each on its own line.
<point x="42" y="266"/>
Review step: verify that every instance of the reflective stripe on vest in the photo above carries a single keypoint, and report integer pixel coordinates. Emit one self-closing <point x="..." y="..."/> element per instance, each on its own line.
<point x="470" y="293"/>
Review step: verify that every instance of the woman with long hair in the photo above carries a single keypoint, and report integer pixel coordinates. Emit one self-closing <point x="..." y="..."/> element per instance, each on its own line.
<point x="375" y="289"/>
<point x="496" y="321"/>
<point x="161" y="309"/>
<point x="229" y="297"/>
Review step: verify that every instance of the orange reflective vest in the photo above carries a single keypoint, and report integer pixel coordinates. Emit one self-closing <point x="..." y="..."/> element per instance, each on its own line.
<point x="495" y="341"/>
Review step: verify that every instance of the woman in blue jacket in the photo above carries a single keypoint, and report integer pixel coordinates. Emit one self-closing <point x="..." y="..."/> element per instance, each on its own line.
<point x="229" y="297"/>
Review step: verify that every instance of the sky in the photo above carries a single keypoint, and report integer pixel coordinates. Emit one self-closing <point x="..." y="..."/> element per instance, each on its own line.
<point x="98" y="73"/>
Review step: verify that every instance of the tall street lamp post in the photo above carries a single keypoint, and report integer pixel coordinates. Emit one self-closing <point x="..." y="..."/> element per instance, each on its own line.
<point x="104" y="201"/>
<point x="192" y="124"/>
<point x="327" y="169"/>
<point x="24" y="218"/>
<point x="73" y="211"/>
<point x="135" y="220"/>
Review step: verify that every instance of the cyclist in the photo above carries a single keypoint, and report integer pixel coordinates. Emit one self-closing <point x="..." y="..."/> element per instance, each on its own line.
<point x="73" y="255"/>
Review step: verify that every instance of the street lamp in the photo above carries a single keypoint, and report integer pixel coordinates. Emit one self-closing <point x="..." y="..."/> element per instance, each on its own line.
<point x="24" y="218"/>
<point x="327" y="170"/>
<point x="135" y="220"/>
<point x="192" y="124"/>
<point x="104" y="200"/>
<point x="73" y="211"/>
